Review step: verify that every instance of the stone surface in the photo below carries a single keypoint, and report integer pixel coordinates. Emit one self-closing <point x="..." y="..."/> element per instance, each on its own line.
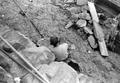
<point x="88" y="30"/>
<point x="39" y="55"/>
<point x="74" y="10"/>
<point x="36" y="55"/>
<point x="84" y="15"/>
<point x="56" y="72"/>
<point x="92" y="41"/>
<point x="81" y="23"/>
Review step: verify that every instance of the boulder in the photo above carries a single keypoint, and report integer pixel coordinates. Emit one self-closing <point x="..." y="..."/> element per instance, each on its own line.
<point x="92" y="41"/>
<point x="56" y="72"/>
<point x="74" y="10"/>
<point x="84" y="15"/>
<point x="39" y="55"/>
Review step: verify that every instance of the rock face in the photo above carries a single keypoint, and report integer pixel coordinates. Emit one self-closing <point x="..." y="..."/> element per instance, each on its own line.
<point x="56" y="72"/>
<point x="64" y="72"/>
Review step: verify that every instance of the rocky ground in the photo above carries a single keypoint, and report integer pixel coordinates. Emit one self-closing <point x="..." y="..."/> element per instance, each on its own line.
<point x="51" y="17"/>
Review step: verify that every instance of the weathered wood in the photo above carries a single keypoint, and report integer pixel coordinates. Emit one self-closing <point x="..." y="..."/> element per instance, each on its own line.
<point x="98" y="30"/>
<point x="93" y="11"/>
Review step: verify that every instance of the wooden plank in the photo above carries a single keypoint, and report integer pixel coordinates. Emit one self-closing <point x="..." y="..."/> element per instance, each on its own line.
<point x="93" y="11"/>
<point x="98" y="30"/>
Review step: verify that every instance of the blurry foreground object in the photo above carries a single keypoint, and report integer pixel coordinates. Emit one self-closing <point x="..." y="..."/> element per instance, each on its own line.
<point x="61" y="51"/>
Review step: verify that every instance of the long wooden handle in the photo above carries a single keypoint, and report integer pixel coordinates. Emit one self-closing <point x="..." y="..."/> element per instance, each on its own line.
<point x="26" y="61"/>
<point x="98" y="30"/>
<point x="103" y="48"/>
<point x="30" y="71"/>
<point x="100" y="36"/>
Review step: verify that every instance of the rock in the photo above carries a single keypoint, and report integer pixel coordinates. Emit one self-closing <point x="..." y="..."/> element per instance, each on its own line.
<point x="69" y="24"/>
<point x="56" y="72"/>
<point x="59" y="72"/>
<point x="81" y="23"/>
<point x="16" y="37"/>
<point x="85" y="79"/>
<point x="88" y="30"/>
<point x="92" y="42"/>
<point x="61" y="51"/>
<point x="82" y="2"/>
<point x="39" y="55"/>
<point x="74" y="10"/>
<point x="84" y="15"/>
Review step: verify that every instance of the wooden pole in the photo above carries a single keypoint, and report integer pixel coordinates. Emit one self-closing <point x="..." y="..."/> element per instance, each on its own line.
<point x="30" y="71"/>
<point x="98" y="30"/>
<point x="26" y="61"/>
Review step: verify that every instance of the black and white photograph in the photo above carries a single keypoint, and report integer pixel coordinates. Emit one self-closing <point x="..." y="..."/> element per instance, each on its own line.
<point x="59" y="41"/>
